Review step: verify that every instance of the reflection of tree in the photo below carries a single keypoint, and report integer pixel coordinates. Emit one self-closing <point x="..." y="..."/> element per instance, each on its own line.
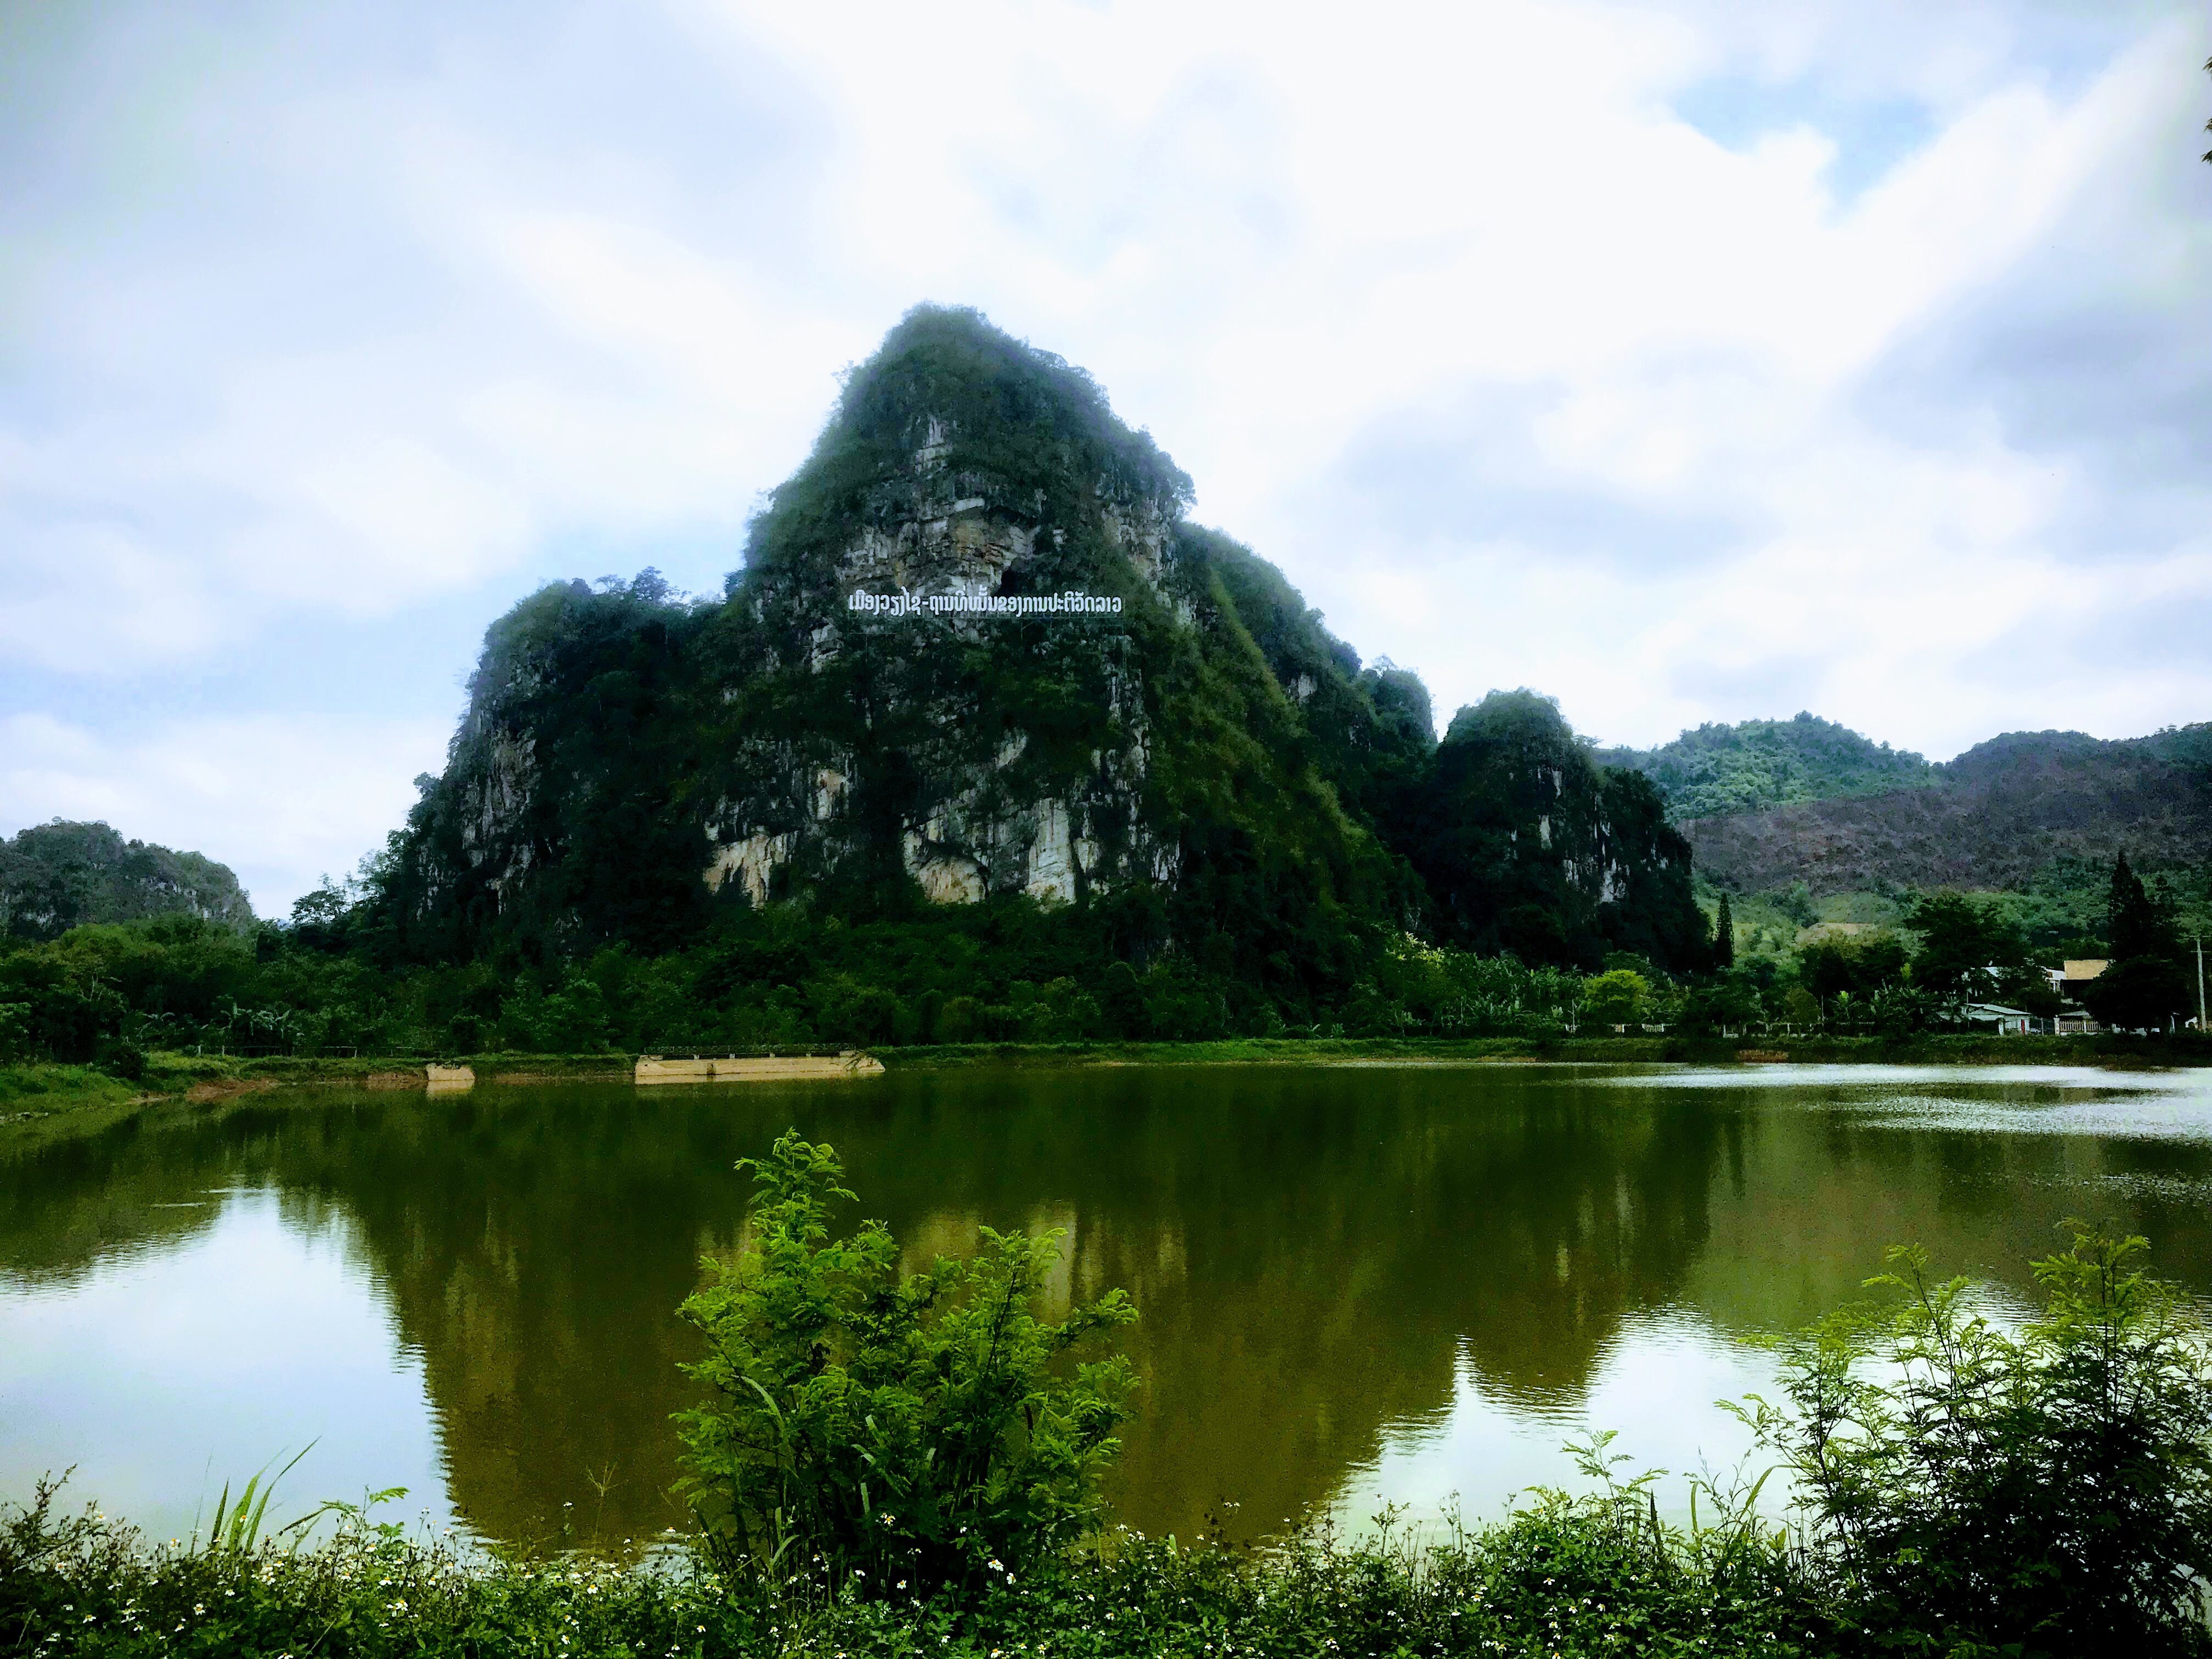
<point x="534" y="1245"/>
<point x="71" y="1203"/>
<point x="1825" y="1186"/>
<point x="1310" y="1251"/>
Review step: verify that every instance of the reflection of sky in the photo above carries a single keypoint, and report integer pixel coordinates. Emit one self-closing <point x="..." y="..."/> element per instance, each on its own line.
<point x="1655" y="1385"/>
<point x="175" y="1362"/>
<point x="1854" y="1080"/>
<point x="254" y="1338"/>
<point x="2174" y="1105"/>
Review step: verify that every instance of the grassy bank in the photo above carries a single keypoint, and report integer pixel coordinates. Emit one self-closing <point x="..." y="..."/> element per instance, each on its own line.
<point x="1564" y="1578"/>
<point x="41" y="1102"/>
<point x="1923" y="1049"/>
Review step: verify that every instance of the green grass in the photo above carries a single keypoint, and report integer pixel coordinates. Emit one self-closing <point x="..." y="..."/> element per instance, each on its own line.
<point x="36" y="1090"/>
<point x="1568" y="1578"/>
<point x="2185" y="1049"/>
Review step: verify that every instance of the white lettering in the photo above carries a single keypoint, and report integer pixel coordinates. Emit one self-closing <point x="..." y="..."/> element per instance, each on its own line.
<point x="906" y="603"/>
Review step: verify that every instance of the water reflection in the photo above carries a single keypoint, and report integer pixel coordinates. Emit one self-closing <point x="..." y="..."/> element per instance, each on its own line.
<point x="1355" y="1284"/>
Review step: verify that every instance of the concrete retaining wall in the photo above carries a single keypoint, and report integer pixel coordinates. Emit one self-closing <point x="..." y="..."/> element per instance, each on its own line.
<point x="771" y="1068"/>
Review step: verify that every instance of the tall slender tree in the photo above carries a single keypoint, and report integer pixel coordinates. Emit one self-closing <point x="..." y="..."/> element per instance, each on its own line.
<point x="1725" y="936"/>
<point x="2136" y="923"/>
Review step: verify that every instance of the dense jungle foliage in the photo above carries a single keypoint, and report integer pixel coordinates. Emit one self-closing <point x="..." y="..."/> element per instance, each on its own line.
<point x="793" y="974"/>
<point x="1758" y="763"/>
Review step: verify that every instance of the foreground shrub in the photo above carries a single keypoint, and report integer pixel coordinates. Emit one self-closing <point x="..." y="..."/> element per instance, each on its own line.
<point x="2048" y="1490"/>
<point x="889" y="1426"/>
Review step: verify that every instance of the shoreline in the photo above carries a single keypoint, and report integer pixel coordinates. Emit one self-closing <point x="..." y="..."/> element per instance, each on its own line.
<point x="43" y="1102"/>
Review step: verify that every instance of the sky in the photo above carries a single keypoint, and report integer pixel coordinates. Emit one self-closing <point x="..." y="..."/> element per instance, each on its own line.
<point x="1686" y="362"/>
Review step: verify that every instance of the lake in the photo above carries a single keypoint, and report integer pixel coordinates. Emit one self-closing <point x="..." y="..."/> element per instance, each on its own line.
<point x="1357" y="1283"/>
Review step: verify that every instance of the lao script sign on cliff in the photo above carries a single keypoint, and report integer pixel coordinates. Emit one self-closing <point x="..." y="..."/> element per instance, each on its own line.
<point x="905" y="604"/>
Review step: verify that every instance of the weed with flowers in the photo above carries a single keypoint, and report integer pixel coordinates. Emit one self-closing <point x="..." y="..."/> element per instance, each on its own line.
<point x="1567" y="1576"/>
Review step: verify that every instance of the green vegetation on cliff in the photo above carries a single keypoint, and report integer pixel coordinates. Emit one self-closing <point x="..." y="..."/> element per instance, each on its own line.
<point x="1529" y="845"/>
<point x="54" y="877"/>
<point x="1207" y="783"/>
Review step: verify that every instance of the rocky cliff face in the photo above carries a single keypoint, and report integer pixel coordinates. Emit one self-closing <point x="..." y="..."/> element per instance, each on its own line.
<point x="981" y="750"/>
<point x="975" y="651"/>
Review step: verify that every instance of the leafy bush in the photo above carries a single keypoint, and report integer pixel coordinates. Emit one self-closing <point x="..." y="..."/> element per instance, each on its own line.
<point x="892" y="1427"/>
<point x="14" y="1030"/>
<point x="1619" y="997"/>
<point x="119" y="1059"/>
<point x="2050" y="1488"/>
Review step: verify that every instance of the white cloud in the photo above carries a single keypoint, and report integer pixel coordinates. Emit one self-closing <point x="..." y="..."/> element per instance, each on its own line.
<point x="1449" y="309"/>
<point x="282" y="799"/>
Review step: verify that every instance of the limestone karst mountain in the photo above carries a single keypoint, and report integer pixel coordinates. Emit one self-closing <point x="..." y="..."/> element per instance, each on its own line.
<point x="976" y="651"/>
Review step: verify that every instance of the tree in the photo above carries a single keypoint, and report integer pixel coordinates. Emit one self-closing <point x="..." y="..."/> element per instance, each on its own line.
<point x="2146" y="985"/>
<point x="888" y="1425"/>
<point x="1850" y="967"/>
<point x="2136" y="923"/>
<point x="1725" y="936"/>
<point x="2141" y="993"/>
<point x="1617" y="997"/>
<point x="1968" y="949"/>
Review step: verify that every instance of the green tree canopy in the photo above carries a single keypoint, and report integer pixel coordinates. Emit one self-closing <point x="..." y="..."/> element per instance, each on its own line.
<point x="1969" y="948"/>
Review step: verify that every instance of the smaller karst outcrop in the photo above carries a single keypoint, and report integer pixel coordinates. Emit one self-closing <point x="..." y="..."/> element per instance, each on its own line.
<point x="1526" y="844"/>
<point x="57" y="876"/>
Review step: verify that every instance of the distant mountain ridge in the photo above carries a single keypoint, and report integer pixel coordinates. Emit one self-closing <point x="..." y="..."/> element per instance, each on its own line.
<point x="1991" y="818"/>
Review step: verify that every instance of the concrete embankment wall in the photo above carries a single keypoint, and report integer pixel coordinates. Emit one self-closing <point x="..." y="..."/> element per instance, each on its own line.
<point x="771" y="1068"/>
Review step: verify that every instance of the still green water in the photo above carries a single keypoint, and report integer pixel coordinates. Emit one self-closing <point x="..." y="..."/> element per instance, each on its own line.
<point x="1357" y="1284"/>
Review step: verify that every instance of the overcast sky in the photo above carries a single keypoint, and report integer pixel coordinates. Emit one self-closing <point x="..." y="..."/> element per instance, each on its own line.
<point x="1687" y="361"/>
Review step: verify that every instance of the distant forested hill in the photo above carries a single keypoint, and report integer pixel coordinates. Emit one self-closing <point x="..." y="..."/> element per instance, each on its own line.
<point x="54" y="877"/>
<point x="1757" y="764"/>
<point x="1992" y="818"/>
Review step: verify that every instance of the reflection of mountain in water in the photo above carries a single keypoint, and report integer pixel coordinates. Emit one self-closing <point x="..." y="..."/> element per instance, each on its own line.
<point x="1311" y="1251"/>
